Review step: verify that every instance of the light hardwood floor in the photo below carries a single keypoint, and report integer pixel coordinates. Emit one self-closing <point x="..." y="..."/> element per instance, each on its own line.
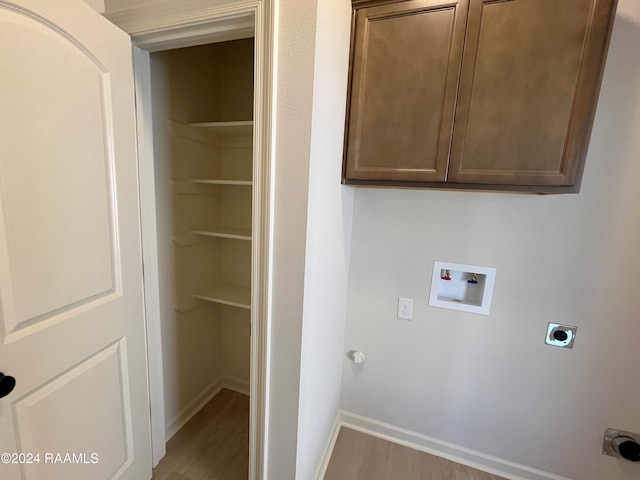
<point x="213" y="445"/>
<point x="357" y="456"/>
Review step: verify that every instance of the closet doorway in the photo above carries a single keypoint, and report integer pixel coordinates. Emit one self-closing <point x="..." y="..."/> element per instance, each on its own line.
<point x="203" y="157"/>
<point x="203" y="94"/>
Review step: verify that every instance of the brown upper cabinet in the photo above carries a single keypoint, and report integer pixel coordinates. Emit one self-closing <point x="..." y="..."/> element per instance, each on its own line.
<point x="477" y="94"/>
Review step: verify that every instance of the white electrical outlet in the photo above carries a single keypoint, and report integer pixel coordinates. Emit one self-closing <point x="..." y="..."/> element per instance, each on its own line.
<point x="405" y="308"/>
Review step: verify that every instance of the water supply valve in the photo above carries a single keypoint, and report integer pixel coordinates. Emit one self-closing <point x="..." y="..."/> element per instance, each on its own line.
<point x="356" y="357"/>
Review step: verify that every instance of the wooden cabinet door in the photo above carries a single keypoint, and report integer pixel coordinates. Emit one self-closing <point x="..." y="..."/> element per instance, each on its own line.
<point x="405" y="64"/>
<point x="530" y="79"/>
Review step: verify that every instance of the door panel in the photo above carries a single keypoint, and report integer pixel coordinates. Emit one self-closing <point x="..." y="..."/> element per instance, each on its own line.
<point x="68" y="204"/>
<point x="71" y="318"/>
<point x="73" y="430"/>
<point x="405" y="73"/>
<point x="525" y="105"/>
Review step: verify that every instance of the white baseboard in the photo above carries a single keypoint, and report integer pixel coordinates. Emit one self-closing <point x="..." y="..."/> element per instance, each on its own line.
<point x="187" y="413"/>
<point x="328" y="450"/>
<point x="456" y="453"/>
<point x="194" y="407"/>
<point x="237" y="385"/>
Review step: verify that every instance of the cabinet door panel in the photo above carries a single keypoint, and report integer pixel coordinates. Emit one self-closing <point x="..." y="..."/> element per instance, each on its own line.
<point x="406" y="62"/>
<point x="529" y="84"/>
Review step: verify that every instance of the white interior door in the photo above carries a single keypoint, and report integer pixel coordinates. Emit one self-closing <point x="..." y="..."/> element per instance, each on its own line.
<point x="71" y="315"/>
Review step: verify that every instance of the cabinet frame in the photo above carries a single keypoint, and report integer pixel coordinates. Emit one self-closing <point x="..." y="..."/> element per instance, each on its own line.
<point x="581" y="114"/>
<point x="579" y="131"/>
<point x="362" y="18"/>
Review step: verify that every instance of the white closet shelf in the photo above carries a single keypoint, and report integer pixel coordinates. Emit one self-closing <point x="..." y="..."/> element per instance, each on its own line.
<point x="205" y="181"/>
<point x="226" y="129"/>
<point x="235" y="233"/>
<point x="227" y="294"/>
<point x="201" y="186"/>
<point x="186" y="239"/>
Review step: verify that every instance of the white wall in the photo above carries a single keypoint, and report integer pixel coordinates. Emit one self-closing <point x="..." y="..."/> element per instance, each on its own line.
<point x="329" y="218"/>
<point x="490" y="383"/>
<point x="295" y="49"/>
<point x="190" y="340"/>
<point x="97" y="5"/>
<point x="295" y="45"/>
<point x="115" y="5"/>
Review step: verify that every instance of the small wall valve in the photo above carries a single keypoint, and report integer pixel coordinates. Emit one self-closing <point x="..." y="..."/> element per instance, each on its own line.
<point x="356" y="356"/>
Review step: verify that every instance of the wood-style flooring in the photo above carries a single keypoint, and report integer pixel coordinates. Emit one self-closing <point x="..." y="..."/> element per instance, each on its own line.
<point x="213" y="445"/>
<point x="357" y="456"/>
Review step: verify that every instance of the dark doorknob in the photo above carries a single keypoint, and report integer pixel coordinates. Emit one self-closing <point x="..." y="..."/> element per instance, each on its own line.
<point x="7" y="384"/>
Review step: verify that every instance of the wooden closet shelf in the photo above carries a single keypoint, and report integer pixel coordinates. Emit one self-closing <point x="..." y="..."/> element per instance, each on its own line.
<point x="227" y="294"/>
<point x="235" y="233"/>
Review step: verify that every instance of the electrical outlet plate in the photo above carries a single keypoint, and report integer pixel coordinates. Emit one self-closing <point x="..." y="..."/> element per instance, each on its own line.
<point x="405" y="308"/>
<point x="559" y="335"/>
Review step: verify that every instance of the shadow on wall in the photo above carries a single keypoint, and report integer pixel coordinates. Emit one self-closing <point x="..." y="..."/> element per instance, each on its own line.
<point x="617" y="121"/>
<point x="618" y="98"/>
<point x="613" y="178"/>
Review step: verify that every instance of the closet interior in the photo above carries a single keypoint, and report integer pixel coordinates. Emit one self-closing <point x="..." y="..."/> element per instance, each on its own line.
<point x="202" y="102"/>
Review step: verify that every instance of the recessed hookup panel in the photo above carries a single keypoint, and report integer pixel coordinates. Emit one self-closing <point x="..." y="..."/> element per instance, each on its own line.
<point x="559" y="335"/>
<point x="468" y="288"/>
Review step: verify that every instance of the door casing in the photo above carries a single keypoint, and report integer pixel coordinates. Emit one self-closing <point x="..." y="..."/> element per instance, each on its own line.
<point x="192" y="23"/>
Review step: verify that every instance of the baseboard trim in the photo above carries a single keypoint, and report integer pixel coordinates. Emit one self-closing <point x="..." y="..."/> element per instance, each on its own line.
<point x="187" y="413"/>
<point x="321" y="470"/>
<point x="237" y="385"/>
<point x="456" y="453"/>
<point x="192" y="408"/>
